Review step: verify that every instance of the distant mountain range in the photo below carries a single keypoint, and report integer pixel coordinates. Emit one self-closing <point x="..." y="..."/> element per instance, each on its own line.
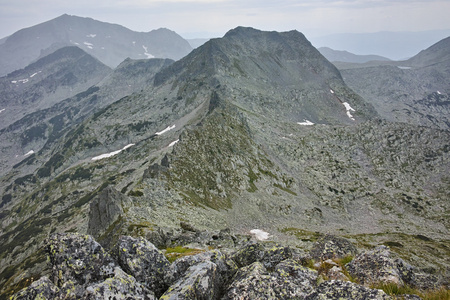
<point x="345" y="56"/>
<point x="414" y="91"/>
<point x="252" y="130"/>
<point x="393" y="45"/>
<point x="109" y="43"/>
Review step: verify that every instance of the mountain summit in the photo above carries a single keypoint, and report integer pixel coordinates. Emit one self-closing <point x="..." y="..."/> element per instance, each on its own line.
<point x="109" y="43"/>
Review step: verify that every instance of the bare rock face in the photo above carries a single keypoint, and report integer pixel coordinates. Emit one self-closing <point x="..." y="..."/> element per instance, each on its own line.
<point x="105" y="209"/>
<point x="141" y="259"/>
<point x="331" y="246"/>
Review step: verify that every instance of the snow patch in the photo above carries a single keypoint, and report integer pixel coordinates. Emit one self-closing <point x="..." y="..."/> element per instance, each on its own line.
<point x="305" y="123"/>
<point x="2" y="110"/>
<point x="348" y="108"/>
<point x="92" y="35"/>
<point x="165" y="130"/>
<point x="34" y="74"/>
<point x="29" y="153"/>
<point x="146" y="52"/>
<point x="89" y="45"/>
<point x="134" y="43"/>
<point x="404" y="68"/>
<point x="14" y="81"/>
<point x="260" y="234"/>
<point x="173" y="143"/>
<point x="106" y="155"/>
<point x="439" y="93"/>
<point x="331" y="91"/>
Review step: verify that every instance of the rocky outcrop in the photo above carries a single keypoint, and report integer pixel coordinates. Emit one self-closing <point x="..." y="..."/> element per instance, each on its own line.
<point x="105" y="209"/>
<point x="142" y="260"/>
<point x="331" y="246"/>
<point x="82" y="269"/>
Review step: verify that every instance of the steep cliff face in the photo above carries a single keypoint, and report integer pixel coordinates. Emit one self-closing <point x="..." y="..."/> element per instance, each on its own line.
<point x="254" y="130"/>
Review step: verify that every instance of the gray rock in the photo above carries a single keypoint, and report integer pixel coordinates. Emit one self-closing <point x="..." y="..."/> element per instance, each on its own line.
<point x="375" y="266"/>
<point x="141" y="259"/>
<point x="78" y="258"/>
<point x="406" y="272"/>
<point x="248" y="254"/>
<point x="105" y="209"/>
<point x="121" y="286"/>
<point x="331" y="246"/>
<point x="226" y="267"/>
<point x="40" y="289"/>
<point x="200" y="282"/>
<point x="290" y="281"/>
<point x="336" y="289"/>
<point x="275" y="255"/>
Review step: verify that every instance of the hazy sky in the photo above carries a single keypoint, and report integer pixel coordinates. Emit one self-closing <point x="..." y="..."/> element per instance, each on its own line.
<point x="206" y="18"/>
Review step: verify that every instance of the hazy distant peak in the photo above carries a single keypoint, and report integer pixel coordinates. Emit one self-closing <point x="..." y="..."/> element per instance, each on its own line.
<point x="345" y="56"/>
<point x="434" y="54"/>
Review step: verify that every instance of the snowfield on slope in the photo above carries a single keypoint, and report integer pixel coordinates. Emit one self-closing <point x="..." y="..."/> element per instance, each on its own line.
<point x="106" y="155"/>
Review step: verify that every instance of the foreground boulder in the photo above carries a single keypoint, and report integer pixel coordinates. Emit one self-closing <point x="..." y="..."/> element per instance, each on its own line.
<point x="289" y="281"/>
<point x="40" y="289"/>
<point x="200" y="281"/>
<point x="336" y="289"/>
<point x="141" y="259"/>
<point x="79" y="259"/>
<point x="375" y="266"/>
<point x="330" y="246"/>
<point x="121" y="286"/>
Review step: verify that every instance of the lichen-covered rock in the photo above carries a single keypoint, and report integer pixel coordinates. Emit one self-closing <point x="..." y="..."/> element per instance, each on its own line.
<point x="251" y="282"/>
<point x="336" y="289"/>
<point x="78" y="258"/>
<point x="406" y="272"/>
<point x="275" y="255"/>
<point x="289" y="281"/>
<point x="141" y="259"/>
<point x="375" y="266"/>
<point x="121" y="286"/>
<point x="249" y="254"/>
<point x="40" y="289"/>
<point x="225" y="266"/>
<point x="295" y="270"/>
<point x="331" y="246"/>
<point x="200" y="281"/>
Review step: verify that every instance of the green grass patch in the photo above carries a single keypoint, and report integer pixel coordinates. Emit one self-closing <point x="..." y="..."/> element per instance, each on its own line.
<point x="172" y="254"/>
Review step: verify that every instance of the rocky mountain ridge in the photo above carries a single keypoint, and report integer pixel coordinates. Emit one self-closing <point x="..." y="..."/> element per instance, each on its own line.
<point x="60" y="75"/>
<point x="253" y="130"/>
